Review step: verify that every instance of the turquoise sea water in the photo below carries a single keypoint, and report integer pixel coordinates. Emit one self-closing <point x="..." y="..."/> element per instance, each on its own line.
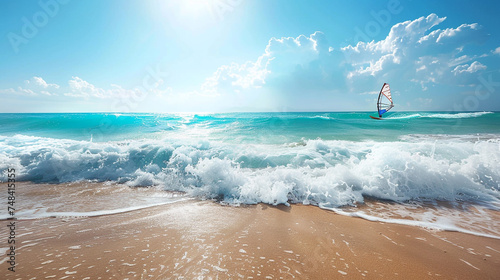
<point x="327" y="159"/>
<point x="256" y="128"/>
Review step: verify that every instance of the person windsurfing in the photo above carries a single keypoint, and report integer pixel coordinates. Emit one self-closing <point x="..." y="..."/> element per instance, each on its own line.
<point x="384" y="101"/>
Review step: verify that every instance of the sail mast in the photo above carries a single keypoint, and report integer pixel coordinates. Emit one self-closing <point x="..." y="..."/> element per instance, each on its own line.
<point x="378" y="100"/>
<point x="383" y="98"/>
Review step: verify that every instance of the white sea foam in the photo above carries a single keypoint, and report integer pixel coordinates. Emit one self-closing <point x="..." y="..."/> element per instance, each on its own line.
<point x="439" y="115"/>
<point x="322" y="117"/>
<point x="440" y="224"/>
<point x="326" y="173"/>
<point x="39" y="214"/>
<point x="333" y="172"/>
<point x="458" y="115"/>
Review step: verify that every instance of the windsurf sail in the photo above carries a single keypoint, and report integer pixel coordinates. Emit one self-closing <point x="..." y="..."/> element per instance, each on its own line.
<point x="384" y="102"/>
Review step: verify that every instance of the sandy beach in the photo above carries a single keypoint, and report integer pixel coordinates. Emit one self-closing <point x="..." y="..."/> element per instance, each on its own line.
<point x="249" y="139"/>
<point x="205" y="240"/>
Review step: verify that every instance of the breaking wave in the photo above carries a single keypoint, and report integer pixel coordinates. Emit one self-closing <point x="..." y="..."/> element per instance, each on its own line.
<point x="330" y="173"/>
<point x="438" y="115"/>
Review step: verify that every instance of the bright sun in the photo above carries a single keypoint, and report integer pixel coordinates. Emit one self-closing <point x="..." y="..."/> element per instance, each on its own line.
<point x="196" y="7"/>
<point x="194" y="15"/>
<point x="214" y="8"/>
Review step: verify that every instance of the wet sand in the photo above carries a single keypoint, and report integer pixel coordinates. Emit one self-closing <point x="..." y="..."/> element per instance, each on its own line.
<point x="205" y="240"/>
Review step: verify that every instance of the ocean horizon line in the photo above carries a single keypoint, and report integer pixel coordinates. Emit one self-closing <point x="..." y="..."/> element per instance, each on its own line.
<point x="253" y="112"/>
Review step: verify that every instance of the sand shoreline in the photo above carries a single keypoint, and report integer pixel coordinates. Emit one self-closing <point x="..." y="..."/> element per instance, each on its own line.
<point x="204" y="239"/>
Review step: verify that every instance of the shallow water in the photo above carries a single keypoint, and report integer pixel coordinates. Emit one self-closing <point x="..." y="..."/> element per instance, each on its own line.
<point x="327" y="159"/>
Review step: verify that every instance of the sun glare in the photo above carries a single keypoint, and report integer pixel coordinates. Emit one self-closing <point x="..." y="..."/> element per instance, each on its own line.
<point x="195" y="7"/>
<point x="192" y="15"/>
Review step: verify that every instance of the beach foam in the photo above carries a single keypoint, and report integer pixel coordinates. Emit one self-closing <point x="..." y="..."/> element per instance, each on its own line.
<point x="459" y="221"/>
<point x="333" y="172"/>
<point x="37" y="214"/>
<point x="327" y="159"/>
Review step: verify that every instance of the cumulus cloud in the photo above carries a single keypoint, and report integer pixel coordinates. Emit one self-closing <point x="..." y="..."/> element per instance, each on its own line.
<point x="413" y="51"/>
<point x="18" y="91"/>
<point x="288" y="70"/>
<point x="466" y="68"/>
<point x="119" y="98"/>
<point x="280" y="53"/>
<point x="33" y="87"/>
<point x="39" y="82"/>
<point x="77" y="87"/>
<point x="450" y="35"/>
<point x="237" y="76"/>
<point x="430" y="54"/>
<point x="371" y="58"/>
<point x="81" y="88"/>
<point x="296" y="72"/>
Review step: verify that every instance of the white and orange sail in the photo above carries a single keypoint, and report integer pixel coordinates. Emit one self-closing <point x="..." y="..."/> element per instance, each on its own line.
<point x="384" y="102"/>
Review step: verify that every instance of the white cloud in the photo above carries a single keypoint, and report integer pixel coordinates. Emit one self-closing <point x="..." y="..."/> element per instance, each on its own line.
<point x="280" y="55"/>
<point x="291" y="70"/>
<point x="81" y="88"/>
<point x="249" y="74"/>
<point x="33" y="87"/>
<point x="375" y="66"/>
<point x="77" y="87"/>
<point x="421" y="68"/>
<point x="444" y="36"/>
<point x="466" y="68"/>
<point x="39" y="82"/>
<point x="8" y="91"/>
<point x="288" y="69"/>
<point x="401" y="37"/>
<point x="299" y="71"/>
<point x="412" y="51"/>
<point x="25" y="91"/>
<point x="370" y="92"/>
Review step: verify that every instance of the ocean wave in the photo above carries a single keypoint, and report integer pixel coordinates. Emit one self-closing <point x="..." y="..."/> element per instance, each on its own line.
<point x="321" y="117"/>
<point x="438" y="115"/>
<point x="447" y="225"/>
<point x="330" y="173"/>
<point x="42" y="213"/>
<point x="458" y="115"/>
<point x="446" y="137"/>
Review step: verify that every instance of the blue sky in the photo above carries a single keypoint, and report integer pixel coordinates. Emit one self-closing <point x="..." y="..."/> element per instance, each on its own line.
<point x="247" y="55"/>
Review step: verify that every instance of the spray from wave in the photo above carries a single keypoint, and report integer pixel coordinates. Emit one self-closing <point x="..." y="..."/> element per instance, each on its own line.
<point x="437" y="115"/>
<point x="327" y="159"/>
<point x="331" y="173"/>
